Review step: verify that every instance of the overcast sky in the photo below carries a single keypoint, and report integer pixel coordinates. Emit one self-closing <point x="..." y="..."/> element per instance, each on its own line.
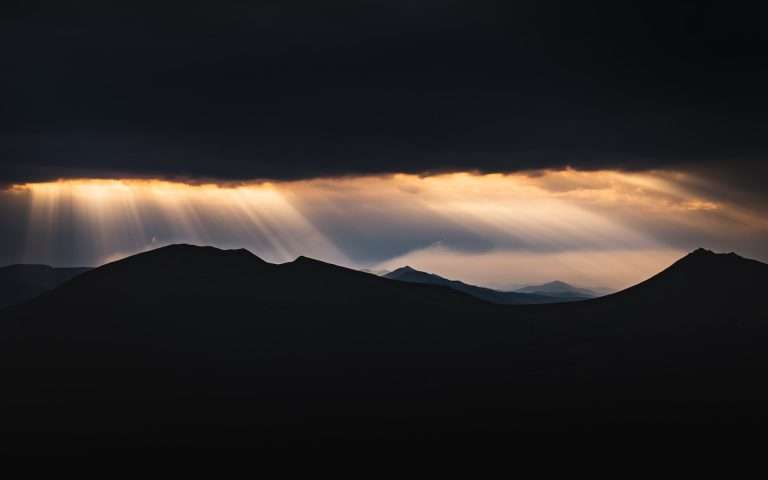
<point x="299" y="89"/>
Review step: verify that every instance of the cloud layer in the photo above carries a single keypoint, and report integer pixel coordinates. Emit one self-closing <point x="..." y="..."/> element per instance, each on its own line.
<point x="299" y="89"/>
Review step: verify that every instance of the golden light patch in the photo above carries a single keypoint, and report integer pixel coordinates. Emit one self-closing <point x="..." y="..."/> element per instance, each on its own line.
<point x="116" y="212"/>
<point x="555" y="216"/>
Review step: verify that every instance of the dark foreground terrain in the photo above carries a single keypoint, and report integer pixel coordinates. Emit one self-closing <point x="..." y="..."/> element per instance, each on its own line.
<point x="195" y="347"/>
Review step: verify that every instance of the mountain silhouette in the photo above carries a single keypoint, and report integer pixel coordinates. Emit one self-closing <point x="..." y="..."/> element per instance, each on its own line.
<point x="705" y="276"/>
<point x="176" y="271"/>
<point x="559" y="289"/>
<point x="19" y="283"/>
<point x="189" y="342"/>
<point x="408" y="274"/>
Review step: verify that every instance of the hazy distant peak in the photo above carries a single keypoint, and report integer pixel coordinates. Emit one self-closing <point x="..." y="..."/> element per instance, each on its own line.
<point x="22" y="282"/>
<point x="25" y="267"/>
<point x="37" y="267"/>
<point x="559" y="288"/>
<point x="405" y="269"/>
<point x="409" y="273"/>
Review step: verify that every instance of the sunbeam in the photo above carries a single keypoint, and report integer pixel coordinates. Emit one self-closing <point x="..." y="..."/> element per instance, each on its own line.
<point x="113" y="218"/>
<point x="589" y="227"/>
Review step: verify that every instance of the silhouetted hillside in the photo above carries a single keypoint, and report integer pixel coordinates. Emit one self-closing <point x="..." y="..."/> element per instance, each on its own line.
<point x="700" y="282"/>
<point x="196" y="273"/>
<point x="704" y="272"/>
<point x="205" y="347"/>
<point x="19" y="283"/>
<point x="408" y="274"/>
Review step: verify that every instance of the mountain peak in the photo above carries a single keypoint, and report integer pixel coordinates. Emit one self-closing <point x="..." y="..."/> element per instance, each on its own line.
<point x="411" y="275"/>
<point x="407" y="272"/>
<point x="703" y="255"/>
<point x="559" y="288"/>
<point x="701" y="252"/>
<point x="705" y="272"/>
<point x="404" y="269"/>
<point x="301" y="259"/>
<point x="22" y="282"/>
<point x="312" y="264"/>
<point x="182" y="256"/>
<point x="189" y="249"/>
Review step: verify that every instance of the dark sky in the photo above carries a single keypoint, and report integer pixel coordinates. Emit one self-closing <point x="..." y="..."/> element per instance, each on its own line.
<point x="293" y="89"/>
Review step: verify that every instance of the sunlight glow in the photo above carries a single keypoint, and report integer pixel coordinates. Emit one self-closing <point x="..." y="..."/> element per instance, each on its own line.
<point x="126" y="216"/>
<point x="597" y="228"/>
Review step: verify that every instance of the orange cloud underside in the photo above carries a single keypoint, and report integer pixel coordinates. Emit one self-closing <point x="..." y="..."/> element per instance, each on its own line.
<point x="561" y="213"/>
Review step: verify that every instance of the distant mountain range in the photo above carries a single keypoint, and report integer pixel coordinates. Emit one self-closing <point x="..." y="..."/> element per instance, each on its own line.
<point x="553" y="292"/>
<point x="22" y="282"/>
<point x="202" y="346"/>
<point x="560" y="290"/>
<point x="19" y="283"/>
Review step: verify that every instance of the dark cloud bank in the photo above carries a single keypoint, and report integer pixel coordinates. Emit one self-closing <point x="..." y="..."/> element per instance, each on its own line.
<point x="290" y="89"/>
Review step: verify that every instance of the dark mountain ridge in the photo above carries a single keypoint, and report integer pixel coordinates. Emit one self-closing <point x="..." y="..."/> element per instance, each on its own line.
<point x="188" y="342"/>
<point x="704" y="276"/>
<point x="202" y="272"/>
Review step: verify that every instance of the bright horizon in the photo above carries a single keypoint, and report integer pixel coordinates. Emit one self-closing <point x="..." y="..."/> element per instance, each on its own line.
<point x="596" y="229"/>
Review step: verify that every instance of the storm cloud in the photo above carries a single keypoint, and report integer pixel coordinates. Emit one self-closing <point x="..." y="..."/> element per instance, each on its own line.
<point x="298" y="89"/>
